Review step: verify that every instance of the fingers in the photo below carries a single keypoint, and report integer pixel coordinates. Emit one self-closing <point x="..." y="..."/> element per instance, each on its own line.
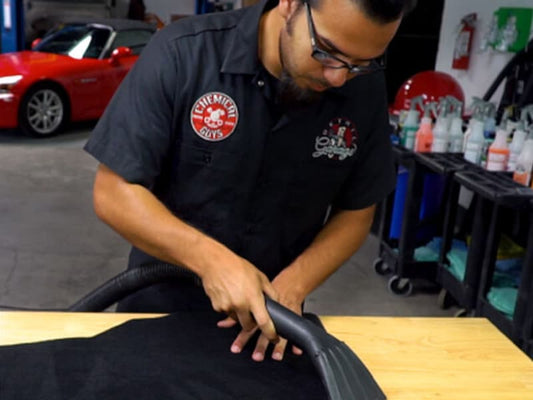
<point x="237" y="288"/>
<point x="269" y="290"/>
<point x="227" y="323"/>
<point x="279" y="350"/>
<point x="241" y="340"/>
<point x="277" y="353"/>
<point x="246" y="320"/>
<point x="260" y="348"/>
<point x="263" y="320"/>
<point x="297" y="351"/>
<point x="260" y="312"/>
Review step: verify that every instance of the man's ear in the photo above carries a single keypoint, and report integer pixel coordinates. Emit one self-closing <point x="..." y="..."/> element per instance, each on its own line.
<point x="287" y="7"/>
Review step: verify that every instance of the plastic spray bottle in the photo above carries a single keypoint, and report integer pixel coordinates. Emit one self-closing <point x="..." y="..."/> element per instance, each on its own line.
<point x="424" y="135"/>
<point x="489" y="128"/>
<point x="498" y="154"/>
<point x="519" y="137"/>
<point x="508" y="35"/>
<point x="411" y="124"/>
<point x="524" y="164"/>
<point x="453" y="103"/>
<point x="456" y="129"/>
<point x="491" y="36"/>
<point x="475" y="143"/>
<point x="440" y="131"/>
<point x="477" y="112"/>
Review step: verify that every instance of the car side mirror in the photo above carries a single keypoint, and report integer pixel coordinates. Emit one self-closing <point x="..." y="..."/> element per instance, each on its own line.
<point x="118" y="54"/>
<point x="35" y="43"/>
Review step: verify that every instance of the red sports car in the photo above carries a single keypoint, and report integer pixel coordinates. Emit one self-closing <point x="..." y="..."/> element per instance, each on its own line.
<point x="70" y="75"/>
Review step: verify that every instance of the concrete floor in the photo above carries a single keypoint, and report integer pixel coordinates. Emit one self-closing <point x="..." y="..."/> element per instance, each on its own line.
<point x="53" y="249"/>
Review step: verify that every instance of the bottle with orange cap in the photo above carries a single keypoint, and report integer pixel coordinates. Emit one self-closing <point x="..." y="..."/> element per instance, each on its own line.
<point x="424" y="135"/>
<point x="524" y="164"/>
<point x="498" y="154"/>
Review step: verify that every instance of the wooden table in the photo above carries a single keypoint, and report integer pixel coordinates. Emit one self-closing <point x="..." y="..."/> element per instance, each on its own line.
<point x="411" y="358"/>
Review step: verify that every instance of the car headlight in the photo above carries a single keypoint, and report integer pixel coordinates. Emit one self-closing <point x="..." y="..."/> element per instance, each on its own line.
<point x="7" y="82"/>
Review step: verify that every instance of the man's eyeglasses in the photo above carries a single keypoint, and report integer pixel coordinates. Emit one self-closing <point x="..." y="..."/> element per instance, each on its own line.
<point x="328" y="60"/>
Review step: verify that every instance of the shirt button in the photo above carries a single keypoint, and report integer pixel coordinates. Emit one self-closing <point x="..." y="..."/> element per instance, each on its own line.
<point x="260" y="83"/>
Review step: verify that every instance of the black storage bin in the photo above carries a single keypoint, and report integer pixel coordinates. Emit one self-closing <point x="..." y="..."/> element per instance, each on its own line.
<point x="511" y="323"/>
<point x="497" y="200"/>
<point x="524" y="306"/>
<point x="519" y="325"/>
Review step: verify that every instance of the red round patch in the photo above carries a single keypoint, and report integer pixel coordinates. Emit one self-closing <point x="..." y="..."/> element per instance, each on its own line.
<point x="214" y="116"/>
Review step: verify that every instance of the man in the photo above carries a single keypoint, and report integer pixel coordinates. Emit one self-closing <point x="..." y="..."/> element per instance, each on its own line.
<point x="231" y="140"/>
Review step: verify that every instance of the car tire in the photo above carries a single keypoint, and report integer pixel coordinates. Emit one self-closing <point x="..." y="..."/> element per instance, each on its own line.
<point x="43" y="111"/>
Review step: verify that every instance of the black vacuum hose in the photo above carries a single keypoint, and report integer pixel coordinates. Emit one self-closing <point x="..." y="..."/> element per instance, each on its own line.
<point x="129" y="282"/>
<point x="288" y="324"/>
<point x="342" y="372"/>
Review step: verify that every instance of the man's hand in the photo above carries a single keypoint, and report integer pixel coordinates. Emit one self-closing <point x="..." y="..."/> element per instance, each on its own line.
<point x="334" y="244"/>
<point x="237" y="288"/>
<point x="288" y="300"/>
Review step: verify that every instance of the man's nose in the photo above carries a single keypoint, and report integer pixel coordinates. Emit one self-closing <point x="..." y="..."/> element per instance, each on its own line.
<point x="336" y="77"/>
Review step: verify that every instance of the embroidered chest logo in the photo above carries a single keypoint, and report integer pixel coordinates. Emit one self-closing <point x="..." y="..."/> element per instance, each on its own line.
<point x="338" y="140"/>
<point x="214" y="116"/>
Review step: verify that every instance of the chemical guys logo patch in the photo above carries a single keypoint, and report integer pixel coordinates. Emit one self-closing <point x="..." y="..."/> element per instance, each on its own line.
<point x="338" y="140"/>
<point x="214" y="116"/>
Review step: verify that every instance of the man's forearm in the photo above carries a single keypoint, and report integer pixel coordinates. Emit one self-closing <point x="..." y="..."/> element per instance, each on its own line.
<point x="340" y="238"/>
<point x="144" y="221"/>
<point x="233" y="285"/>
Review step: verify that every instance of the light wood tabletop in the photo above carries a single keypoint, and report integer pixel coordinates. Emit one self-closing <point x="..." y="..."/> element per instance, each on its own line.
<point x="410" y="358"/>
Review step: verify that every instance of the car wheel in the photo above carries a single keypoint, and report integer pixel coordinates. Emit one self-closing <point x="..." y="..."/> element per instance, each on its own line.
<point x="43" y="111"/>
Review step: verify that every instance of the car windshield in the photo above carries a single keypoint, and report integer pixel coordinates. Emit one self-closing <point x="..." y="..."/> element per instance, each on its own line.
<point x="76" y="41"/>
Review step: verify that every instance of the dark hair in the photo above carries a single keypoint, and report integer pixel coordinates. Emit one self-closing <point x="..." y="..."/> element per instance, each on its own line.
<point x="386" y="10"/>
<point x="383" y="11"/>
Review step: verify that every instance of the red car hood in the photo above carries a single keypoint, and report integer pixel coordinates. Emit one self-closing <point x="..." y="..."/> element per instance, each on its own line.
<point x="27" y="62"/>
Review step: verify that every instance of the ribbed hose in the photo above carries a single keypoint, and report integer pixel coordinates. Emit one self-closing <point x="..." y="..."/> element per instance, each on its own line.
<point x="343" y="374"/>
<point x="129" y="282"/>
<point x="505" y="71"/>
<point x="290" y="325"/>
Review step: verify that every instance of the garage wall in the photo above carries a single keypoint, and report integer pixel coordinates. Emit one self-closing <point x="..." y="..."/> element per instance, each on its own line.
<point x="165" y="8"/>
<point x="121" y="9"/>
<point x="484" y="67"/>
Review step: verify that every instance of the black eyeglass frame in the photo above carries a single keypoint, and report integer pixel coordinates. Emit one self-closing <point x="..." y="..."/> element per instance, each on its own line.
<point x="321" y="55"/>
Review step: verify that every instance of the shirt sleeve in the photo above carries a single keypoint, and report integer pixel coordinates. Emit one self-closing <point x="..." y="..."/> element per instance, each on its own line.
<point x="133" y="135"/>
<point x="374" y="174"/>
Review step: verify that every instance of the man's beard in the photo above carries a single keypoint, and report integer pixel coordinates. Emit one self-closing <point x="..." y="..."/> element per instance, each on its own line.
<point x="292" y="95"/>
<point x="289" y="93"/>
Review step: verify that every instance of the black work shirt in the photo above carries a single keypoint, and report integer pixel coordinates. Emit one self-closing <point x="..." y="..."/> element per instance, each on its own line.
<point x="195" y="122"/>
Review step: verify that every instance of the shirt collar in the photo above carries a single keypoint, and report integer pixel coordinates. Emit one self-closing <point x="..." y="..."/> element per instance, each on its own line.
<point x="242" y="57"/>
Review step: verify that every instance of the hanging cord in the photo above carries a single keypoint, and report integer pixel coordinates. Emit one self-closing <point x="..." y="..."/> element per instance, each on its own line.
<point x="518" y="57"/>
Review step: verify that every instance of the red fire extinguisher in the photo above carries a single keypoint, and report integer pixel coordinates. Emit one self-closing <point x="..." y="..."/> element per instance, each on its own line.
<point x="463" y="42"/>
